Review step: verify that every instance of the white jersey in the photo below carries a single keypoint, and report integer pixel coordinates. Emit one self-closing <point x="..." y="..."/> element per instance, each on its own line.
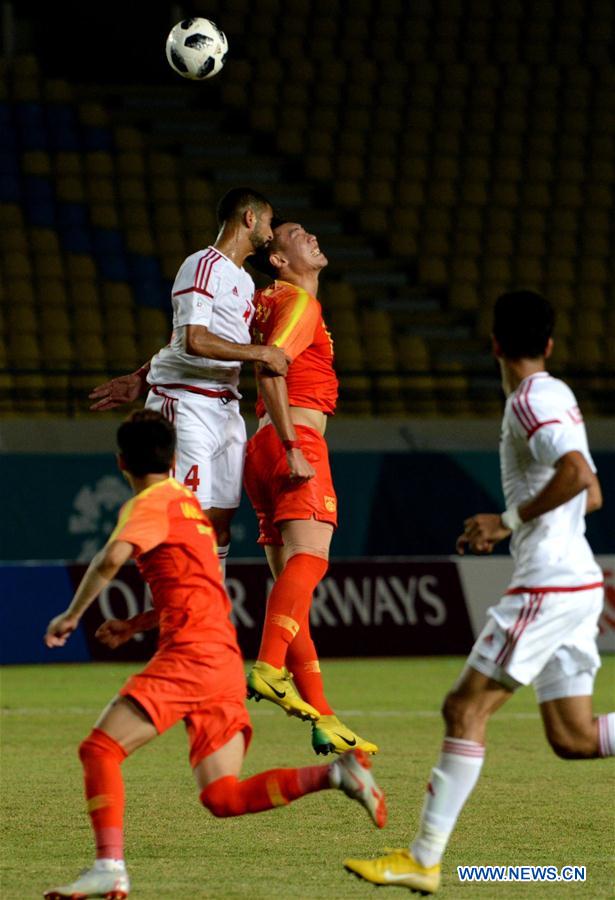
<point x="209" y="290"/>
<point x="541" y="423"/>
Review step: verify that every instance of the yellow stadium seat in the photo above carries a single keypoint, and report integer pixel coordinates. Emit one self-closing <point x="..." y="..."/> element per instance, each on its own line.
<point x="413" y="353"/>
<point x="24" y="351"/>
<point x="464" y="296"/>
<point x="52" y="293"/>
<point x="11" y="216"/>
<point x="464" y="269"/>
<point x="14" y="240"/>
<point x="29" y="392"/>
<point x="80" y="266"/>
<point x="19" y="291"/>
<point x="57" y="350"/>
<point x="432" y="270"/>
<point x="128" y="138"/>
<point x="117" y="294"/>
<point x="84" y="294"/>
<point x="122" y="352"/>
<point x="90" y="352"/>
<point x="164" y="190"/>
<point x="36" y="162"/>
<point x="140" y="240"/>
<point x="132" y="190"/>
<point x="86" y="320"/>
<point x="21" y="319"/>
<point x="100" y="190"/>
<point x="130" y="163"/>
<point x="44" y="240"/>
<point x="53" y="320"/>
<point x="16" y="265"/>
<point x="120" y="321"/>
<point x="70" y="189"/>
<point x="104" y="215"/>
<point x="49" y="265"/>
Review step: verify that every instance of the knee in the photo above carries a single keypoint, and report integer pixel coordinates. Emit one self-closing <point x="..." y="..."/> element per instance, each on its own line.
<point x="573" y="745"/>
<point x="221" y="798"/>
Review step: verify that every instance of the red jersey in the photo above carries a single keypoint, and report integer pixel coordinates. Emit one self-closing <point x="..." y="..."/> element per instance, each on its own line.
<point x="288" y="317"/>
<point x="175" y="550"/>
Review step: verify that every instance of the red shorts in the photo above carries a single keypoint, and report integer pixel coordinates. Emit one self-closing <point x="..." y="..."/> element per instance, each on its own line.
<point x="203" y="684"/>
<point x="274" y="496"/>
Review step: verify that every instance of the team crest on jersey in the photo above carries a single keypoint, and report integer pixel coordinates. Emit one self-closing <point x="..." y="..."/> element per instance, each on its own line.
<point x="330" y="504"/>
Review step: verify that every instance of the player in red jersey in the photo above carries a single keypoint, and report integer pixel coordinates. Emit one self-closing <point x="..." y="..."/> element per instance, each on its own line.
<point x="196" y="675"/>
<point x="288" y="479"/>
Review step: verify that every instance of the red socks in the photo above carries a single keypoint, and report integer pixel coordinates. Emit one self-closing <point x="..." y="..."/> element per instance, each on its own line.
<point x="302" y="661"/>
<point x="101" y="758"/>
<point x="230" y="797"/>
<point x="288" y="605"/>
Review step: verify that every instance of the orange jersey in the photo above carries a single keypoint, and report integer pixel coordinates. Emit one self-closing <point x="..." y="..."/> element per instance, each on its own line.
<point x="288" y="317"/>
<point x="175" y="550"/>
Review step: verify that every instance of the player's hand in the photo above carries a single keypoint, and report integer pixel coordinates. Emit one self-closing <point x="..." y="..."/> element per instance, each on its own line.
<point x="274" y="359"/>
<point x="114" y="632"/>
<point x="60" y="629"/>
<point x="118" y="391"/>
<point x="481" y="533"/>
<point x="300" y="469"/>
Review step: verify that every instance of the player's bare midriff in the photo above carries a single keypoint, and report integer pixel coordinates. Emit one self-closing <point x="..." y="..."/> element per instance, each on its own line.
<point x="302" y="415"/>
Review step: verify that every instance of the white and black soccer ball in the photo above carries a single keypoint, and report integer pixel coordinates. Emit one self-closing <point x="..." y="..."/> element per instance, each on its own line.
<point x="196" y="48"/>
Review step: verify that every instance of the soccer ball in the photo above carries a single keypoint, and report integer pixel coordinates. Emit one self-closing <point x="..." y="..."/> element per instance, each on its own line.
<point x="196" y="48"/>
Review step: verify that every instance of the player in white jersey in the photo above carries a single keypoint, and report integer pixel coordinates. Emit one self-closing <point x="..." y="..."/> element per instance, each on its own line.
<point x="194" y="380"/>
<point x="543" y="631"/>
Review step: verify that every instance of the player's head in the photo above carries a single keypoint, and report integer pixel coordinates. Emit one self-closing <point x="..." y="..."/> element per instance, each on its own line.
<point x="243" y="207"/>
<point x="523" y="324"/>
<point x="293" y="249"/>
<point x="146" y="442"/>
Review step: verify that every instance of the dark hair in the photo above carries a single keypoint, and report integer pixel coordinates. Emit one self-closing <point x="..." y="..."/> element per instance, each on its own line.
<point x="523" y="322"/>
<point x="236" y="201"/>
<point x="147" y="443"/>
<point x="260" y="258"/>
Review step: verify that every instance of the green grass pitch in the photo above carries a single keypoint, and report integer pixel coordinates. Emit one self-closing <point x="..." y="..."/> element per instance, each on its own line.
<point x="529" y="807"/>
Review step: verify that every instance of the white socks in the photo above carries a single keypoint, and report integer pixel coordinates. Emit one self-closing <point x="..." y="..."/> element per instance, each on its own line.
<point x="452" y="781"/>
<point x="606" y="734"/>
<point x="222" y="554"/>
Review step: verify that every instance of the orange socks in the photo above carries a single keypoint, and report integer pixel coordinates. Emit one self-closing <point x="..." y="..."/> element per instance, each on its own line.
<point x="230" y="797"/>
<point x="101" y="758"/>
<point x="288" y="605"/>
<point x="302" y="661"/>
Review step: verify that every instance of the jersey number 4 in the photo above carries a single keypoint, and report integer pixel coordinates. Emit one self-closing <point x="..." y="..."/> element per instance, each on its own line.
<point x="192" y="479"/>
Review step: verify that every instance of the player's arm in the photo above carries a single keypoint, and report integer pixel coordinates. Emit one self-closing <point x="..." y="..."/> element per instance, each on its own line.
<point x="572" y="475"/>
<point x="101" y="570"/>
<point x="275" y="397"/>
<point x="115" y="632"/>
<point x="594" y="496"/>
<point x="121" y="390"/>
<point x="200" y="341"/>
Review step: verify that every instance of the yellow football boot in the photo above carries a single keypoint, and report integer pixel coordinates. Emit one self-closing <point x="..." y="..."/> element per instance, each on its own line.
<point x="265" y="682"/>
<point x="399" y="868"/>
<point x="329" y="735"/>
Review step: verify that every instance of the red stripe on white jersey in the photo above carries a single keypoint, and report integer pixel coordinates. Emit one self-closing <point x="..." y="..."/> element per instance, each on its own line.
<point x="522" y="589"/>
<point x="212" y="258"/>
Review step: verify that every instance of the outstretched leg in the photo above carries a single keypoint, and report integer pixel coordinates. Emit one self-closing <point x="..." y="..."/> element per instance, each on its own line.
<point x="222" y="792"/>
<point x="574" y="732"/>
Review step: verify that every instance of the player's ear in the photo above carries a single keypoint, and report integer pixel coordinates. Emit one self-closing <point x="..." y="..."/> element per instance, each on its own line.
<point x="121" y="463"/>
<point x="249" y="218"/>
<point x="549" y="348"/>
<point x="277" y="260"/>
<point x="495" y="347"/>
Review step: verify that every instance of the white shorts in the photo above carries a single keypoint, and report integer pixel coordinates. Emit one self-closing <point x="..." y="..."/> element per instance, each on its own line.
<point x="211" y="444"/>
<point x="545" y="638"/>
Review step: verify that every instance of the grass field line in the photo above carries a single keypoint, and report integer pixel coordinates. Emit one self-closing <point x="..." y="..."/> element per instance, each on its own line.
<point x="259" y="713"/>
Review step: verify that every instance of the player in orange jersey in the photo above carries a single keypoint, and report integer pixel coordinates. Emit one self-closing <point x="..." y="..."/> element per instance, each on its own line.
<point x="288" y="479"/>
<point x="196" y="675"/>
